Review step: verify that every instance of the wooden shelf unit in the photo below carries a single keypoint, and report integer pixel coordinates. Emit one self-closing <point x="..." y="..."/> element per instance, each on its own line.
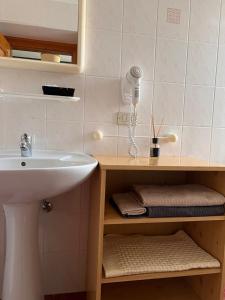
<point x="118" y="175"/>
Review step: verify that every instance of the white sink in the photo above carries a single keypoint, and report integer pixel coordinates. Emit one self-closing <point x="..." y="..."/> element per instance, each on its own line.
<point x="44" y="175"/>
<point x="24" y="182"/>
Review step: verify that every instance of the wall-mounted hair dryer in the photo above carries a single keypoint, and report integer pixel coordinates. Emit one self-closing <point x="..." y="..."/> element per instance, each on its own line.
<point x="131" y="91"/>
<point x="131" y="86"/>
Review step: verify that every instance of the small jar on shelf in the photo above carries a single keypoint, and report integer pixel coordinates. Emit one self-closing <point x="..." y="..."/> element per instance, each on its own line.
<point x="155" y="147"/>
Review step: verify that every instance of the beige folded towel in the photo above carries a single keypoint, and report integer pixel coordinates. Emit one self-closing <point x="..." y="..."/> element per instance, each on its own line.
<point x="129" y="204"/>
<point x="178" y="195"/>
<point x="139" y="254"/>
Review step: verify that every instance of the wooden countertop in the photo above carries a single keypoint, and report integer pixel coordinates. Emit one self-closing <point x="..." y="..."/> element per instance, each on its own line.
<point x="162" y="163"/>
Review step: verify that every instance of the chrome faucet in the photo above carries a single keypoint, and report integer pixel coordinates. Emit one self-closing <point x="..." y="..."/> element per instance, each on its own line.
<point x="26" y="145"/>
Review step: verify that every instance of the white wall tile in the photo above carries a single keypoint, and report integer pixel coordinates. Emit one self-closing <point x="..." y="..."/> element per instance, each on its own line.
<point x="172" y="30"/>
<point x="138" y="50"/>
<point x="218" y="146"/>
<point x="205" y="16"/>
<point x="201" y="67"/>
<point x="22" y="109"/>
<point x="102" y="99"/>
<point x="140" y="17"/>
<point x="168" y="103"/>
<point x="219" y="108"/>
<point x="222" y="24"/>
<point x="105" y="14"/>
<point x="66" y="136"/>
<point x="220" y="78"/>
<point x="103" y="53"/>
<point x="21" y="81"/>
<point x="107" y="145"/>
<point x="198" y="106"/>
<point x="65" y="111"/>
<point x="144" y="107"/>
<point x="141" y="130"/>
<point x="171" y="61"/>
<point x="196" y="142"/>
<point x="143" y="145"/>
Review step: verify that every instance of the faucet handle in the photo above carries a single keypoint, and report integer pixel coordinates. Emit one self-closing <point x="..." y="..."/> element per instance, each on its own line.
<point x="26" y="137"/>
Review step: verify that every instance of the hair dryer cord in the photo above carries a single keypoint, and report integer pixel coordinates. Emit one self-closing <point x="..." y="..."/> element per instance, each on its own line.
<point x="132" y="149"/>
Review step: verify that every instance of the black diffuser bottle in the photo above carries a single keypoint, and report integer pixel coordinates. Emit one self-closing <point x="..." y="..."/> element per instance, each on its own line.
<point x="155" y="148"/>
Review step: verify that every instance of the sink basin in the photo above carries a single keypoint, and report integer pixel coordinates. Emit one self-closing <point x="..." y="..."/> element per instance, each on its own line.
<point x="24" y="182"/>
<point x="44" y="175"/>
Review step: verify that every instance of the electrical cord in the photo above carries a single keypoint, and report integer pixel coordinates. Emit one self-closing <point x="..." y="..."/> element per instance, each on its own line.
<point x="132" y="148"/>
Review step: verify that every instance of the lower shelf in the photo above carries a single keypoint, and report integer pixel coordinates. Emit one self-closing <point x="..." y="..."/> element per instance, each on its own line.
<point x="139" y="277"/>
<point x="170" y="289"/>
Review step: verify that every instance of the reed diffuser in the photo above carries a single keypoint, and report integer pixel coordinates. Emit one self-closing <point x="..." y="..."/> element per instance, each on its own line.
<point x="155" y="147"/>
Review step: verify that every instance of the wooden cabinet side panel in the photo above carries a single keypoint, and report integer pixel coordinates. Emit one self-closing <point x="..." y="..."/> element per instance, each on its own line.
<point x="211" y="237"/>
<point x="95" y="238"/>
<point x="214" y="180"/>
<point x="207" y="287"/>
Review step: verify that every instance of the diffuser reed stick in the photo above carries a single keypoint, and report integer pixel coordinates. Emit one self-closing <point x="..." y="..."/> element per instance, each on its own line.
<point x="155" y="147"/>
<point x="160" y="127"/>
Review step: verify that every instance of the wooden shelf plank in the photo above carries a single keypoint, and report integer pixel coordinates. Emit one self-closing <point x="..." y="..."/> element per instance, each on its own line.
<point x="139" y="277"/>
<point x="175" y="289"/>
<point x="112" y="217"/>
<point x="28" y="64"/>
<point x="157" y="164"/>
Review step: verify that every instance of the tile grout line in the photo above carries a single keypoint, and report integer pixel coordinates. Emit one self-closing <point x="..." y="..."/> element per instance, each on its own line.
<point x="185" y="81"/>
<point x="215" y="87"/>
<point x="154" y="72"/>
<point x="121" y="72"/>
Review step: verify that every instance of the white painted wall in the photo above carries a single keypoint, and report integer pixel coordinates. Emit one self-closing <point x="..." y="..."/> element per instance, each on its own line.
<point x="184" y="80"/>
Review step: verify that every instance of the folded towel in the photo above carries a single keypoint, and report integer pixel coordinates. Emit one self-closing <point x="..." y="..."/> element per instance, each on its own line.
<point x="178" y="195"/>
<point x="128" y="204"/>
<point x="139" y="254"/>
<point x="184" y="211"/>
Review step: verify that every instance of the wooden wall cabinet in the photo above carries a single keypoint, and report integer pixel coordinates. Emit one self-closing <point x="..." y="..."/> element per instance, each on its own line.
<point x="118" y="175"/>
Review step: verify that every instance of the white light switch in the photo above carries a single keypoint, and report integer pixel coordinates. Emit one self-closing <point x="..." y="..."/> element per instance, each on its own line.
<point x="124" y="119"/>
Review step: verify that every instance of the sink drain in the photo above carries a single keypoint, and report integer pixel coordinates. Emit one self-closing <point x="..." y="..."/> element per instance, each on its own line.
<point x="23" y="164"/>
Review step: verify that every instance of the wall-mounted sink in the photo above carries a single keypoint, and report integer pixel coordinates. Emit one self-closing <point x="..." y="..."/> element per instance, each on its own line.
<point x="24" y="182"/>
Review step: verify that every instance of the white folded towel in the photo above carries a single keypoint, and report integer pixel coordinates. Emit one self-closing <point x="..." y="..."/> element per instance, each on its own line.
<point x="140" y="254"/>
<point x="128" y="204"/>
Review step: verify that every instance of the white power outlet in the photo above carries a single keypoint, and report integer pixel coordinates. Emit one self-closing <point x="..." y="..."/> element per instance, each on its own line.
<point x="124" y="119"/>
